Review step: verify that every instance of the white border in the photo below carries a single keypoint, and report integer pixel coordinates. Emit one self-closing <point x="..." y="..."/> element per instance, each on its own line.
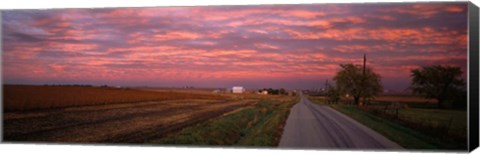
<point x="46" y="4"/>
<point x="83" y="149"/>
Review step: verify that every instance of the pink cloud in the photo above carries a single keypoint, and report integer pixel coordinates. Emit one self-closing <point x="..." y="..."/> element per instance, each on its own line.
<point x="176" y="36"/>
<point x="180" y="44"/>
<point x="426" y="10"/>
<point x="455" y="9"/>
<point x="423" y="35"/>
<point x="265" y="46"/>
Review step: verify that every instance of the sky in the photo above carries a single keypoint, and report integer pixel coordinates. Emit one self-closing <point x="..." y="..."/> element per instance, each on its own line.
<point x="256" y="46"/>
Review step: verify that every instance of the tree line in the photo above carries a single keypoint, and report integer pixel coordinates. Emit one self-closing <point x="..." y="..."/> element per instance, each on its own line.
<point x="361" y="84"/>
<point x="272" y="91"/>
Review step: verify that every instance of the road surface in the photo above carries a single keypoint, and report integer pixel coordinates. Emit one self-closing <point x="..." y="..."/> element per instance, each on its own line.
<point x="317" y="126"/>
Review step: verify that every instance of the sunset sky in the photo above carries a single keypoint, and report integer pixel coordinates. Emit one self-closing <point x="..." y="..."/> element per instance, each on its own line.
<point x="289" y="46"/>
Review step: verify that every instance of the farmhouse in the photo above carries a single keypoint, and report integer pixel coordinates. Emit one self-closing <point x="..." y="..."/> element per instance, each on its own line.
<point x="263" y="92"/>
<point x="216" y="91"/>
<point x="238" y="89"/>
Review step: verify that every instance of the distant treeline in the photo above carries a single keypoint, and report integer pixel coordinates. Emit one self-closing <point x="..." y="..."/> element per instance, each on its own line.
<point x="272" y="91"/>
<point x="71" y="85"/>
<point x="53" y="85"/>
<point x="62" y="85"/>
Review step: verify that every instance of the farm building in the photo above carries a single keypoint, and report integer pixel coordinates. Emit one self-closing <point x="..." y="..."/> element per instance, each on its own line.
<point x="263" y="92"/>
<point x="238" y="89"/>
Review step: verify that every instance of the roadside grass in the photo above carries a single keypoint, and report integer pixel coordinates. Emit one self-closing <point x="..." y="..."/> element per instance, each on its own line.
<point x="406" y="99"/>
<point x="449" y="125"/>
<point x="259" y="125"/>
<point x="454" y="121"/>
<point x="407" y="136"/>
<point x="423" y="105"/>
<point x="427" y="115"/>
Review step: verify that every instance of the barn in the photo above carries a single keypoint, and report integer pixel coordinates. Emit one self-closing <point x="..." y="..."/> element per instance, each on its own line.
<point x="238" y="90"/>
<point x="263" y="92"/>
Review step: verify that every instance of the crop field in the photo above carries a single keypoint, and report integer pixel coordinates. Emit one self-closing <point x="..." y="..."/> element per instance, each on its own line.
<point x="113" y="115"/>
<point x="404" y="99"/>
<point x="23" y="97"/>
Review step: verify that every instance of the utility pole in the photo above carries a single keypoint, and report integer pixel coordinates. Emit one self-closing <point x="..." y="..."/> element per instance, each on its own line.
<point x="364" y="76"/>
<point x="364" y="63"/>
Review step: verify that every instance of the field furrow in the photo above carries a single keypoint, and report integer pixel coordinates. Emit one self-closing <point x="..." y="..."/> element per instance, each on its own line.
<point x="130" y="122"/>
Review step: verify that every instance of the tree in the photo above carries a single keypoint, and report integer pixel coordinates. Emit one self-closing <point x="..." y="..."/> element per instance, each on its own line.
<point x="442" y="83"/>
<point x="282" y="91"/>
<point x="358" y="81"/>
<point x="332" y="94"/>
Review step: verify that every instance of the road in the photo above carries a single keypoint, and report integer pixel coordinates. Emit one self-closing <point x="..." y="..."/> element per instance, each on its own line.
<point x="316" y="126"/>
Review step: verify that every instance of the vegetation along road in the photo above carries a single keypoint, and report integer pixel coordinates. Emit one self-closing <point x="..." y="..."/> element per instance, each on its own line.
<point x="316" y="126"/>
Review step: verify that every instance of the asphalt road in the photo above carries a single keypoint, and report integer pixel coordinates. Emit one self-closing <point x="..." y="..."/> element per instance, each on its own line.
<point x="316" y="126"/>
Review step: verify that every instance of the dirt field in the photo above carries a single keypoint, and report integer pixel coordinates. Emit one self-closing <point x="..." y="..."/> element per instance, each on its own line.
<point x="27" y="97"/>
<point x="125" y="123"/>
<point x="114" y="121"/>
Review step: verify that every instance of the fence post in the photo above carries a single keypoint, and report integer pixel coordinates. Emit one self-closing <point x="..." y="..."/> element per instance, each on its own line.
<point x="385" y="110"/>
<point x="396" y="113"/>
<point x="449" y="124"/>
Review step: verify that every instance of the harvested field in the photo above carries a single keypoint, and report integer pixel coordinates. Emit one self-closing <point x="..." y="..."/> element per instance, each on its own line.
<point x="23" y="97"/>
<point x="76" y="114"/>
<point x="113" y="123"/>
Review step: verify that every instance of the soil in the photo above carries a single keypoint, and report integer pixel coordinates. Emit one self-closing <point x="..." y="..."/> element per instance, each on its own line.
<point x="113" y="123"/>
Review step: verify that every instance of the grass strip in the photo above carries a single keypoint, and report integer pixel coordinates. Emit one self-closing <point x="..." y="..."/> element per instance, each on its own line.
<point x="260" y="125"/>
